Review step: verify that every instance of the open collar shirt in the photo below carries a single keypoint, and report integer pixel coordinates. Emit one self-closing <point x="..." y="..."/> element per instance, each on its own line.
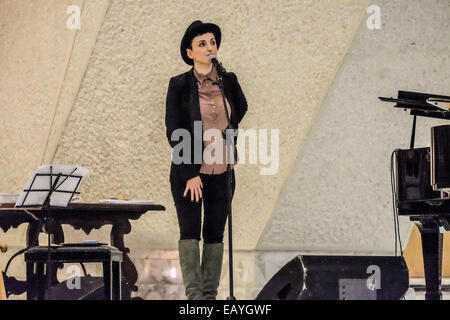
<point x="213" y="117"/>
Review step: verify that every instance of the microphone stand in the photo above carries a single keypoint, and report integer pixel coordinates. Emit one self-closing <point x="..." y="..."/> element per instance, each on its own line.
<point x="229" y="143"/>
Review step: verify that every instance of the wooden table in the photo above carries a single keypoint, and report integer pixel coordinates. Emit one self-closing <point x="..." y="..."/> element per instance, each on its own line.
<point x="84" y="216"/>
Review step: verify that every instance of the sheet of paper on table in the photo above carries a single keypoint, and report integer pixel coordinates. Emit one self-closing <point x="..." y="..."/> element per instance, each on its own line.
<point x="8" y="198"/>
<point x="130" y="201"/>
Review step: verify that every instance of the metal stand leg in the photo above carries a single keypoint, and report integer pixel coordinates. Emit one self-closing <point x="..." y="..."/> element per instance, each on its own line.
<point x="116" y="281"/>
<point x="107" y="274"/>
<point x="31" y="281"/>
<point x="41" y="279"/>
<point x="36" y="280"/>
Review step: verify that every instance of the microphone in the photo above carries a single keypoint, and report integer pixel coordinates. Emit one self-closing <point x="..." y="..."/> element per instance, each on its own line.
<point x="212" y="58"/>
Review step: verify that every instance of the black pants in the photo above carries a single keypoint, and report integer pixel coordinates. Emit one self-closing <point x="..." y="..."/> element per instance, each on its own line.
<point x="214" y="201"/>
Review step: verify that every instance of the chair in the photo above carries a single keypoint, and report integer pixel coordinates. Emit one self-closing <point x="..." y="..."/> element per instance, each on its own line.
<point x="37" y="259"/>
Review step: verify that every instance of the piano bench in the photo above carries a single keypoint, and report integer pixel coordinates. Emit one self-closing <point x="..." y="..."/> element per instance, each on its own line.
<point x="36" y="259"/>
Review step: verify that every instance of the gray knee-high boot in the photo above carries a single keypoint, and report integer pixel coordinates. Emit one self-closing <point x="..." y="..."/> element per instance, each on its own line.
<point x="189" y="254"/>
<point x="212" y="257"/>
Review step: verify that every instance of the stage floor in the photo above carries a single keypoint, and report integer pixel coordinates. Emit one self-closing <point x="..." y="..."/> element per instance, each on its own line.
<point x="418" y="284"/>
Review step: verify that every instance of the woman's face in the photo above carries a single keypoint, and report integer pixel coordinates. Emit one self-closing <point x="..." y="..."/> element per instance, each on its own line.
<point x="202" y="46"/>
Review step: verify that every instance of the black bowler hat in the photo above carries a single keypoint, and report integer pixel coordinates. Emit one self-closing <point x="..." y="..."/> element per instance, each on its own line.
<point x="198" y="28"/>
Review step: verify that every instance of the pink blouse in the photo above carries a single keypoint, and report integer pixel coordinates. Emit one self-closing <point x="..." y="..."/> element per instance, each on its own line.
<point x="213" y="117"/>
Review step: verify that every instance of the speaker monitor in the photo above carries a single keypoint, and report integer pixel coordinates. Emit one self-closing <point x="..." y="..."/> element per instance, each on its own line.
<point x="339" y="278"/>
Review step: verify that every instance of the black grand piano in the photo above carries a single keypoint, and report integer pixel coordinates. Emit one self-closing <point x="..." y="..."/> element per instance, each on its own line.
<point x="422" y="182"/>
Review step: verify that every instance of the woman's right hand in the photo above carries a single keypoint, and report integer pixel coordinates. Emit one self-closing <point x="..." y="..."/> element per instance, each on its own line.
<point x="195" y="186"/>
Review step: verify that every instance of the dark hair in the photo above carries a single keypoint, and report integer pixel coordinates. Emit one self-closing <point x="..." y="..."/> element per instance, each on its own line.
<point x="200" y="32"/>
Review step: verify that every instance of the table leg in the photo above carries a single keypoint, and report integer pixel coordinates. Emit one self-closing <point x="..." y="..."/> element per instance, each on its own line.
<point x="432" y="258"/>
<point x="128" y="269"/>
<point x="58" y="233"/>
<point x="33" y="231"/>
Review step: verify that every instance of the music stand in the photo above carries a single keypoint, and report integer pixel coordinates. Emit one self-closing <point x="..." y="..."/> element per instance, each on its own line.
<point x="51" y="186"/>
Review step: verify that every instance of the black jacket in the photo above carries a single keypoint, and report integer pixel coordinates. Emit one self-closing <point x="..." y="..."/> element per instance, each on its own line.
<point x="183" y="108"/>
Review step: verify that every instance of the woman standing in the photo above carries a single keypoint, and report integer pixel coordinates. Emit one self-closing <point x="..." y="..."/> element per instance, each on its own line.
<point x="194" y="103"/>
